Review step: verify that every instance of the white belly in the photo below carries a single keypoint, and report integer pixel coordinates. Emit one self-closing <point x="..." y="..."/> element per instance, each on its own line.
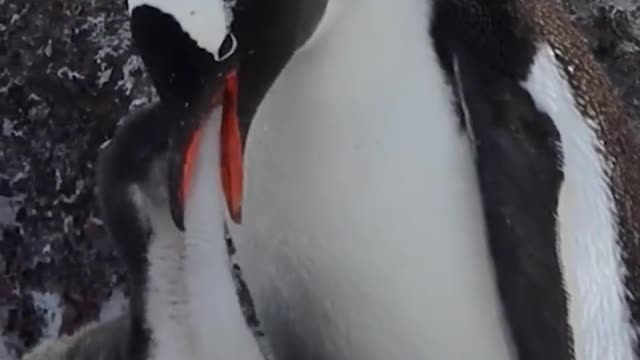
<point x="363" y="235"/>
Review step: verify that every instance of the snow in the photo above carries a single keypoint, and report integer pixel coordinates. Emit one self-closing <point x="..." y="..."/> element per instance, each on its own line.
<point x="115" y="306"/>
<point x="5" y="354"/>
<point x="133" y="64"/>
<point x="52" y="308"/>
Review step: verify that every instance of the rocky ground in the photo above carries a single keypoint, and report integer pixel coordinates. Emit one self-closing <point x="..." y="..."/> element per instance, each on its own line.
<point x="67" y="74"/>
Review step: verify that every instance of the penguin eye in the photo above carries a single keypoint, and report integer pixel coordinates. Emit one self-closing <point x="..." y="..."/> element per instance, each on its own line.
<point x="227" y="48"/>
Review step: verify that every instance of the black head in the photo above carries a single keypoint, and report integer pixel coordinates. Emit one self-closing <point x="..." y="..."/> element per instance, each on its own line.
<point x="185" y="74"/>
<point x="189" y="65"/>
<point x="189" y="75"/>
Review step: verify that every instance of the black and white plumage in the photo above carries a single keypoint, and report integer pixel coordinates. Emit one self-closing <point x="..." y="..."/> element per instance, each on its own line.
<point x="519" y="160"/>
<point x="125" y="163"/>
<point x="323" y="63"/>
<point x="132" y="188"/>
<point x="562" y="212"/>
<point x="555" y="158"/>
<point x="360" y="187"/>
<point x="184" y="303"/>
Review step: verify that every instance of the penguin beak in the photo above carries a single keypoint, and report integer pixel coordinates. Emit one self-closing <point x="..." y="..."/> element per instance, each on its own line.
<point x="184" y="153"/>
<point x="231" y="151"/>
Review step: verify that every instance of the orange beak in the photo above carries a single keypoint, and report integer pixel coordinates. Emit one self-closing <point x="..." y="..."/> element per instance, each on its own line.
<point x="231" y="149"/>
<point x="231" y="170"/>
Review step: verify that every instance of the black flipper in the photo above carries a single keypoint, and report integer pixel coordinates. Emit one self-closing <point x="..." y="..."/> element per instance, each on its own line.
<point x="518" y="162"/>
<point x="486" y="55"/>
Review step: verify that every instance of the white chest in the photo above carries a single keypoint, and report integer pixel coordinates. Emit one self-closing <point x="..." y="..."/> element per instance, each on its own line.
<point x="362" y="234"/>
<point x="192" y="307"/>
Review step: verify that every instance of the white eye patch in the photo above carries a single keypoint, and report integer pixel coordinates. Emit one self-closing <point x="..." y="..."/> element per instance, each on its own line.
<point x="221" y="54"/>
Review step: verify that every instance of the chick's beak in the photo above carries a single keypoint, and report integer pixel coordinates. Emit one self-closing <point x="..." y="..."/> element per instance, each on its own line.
<point x="185" y="154"/>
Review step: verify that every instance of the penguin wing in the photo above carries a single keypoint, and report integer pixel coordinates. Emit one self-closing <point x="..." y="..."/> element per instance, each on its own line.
<point x="518" y="162"/>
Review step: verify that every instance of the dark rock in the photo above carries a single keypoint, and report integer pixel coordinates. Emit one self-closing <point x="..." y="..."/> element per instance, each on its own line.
<point x="613" y="27"/>
<point x="67" y="74"/>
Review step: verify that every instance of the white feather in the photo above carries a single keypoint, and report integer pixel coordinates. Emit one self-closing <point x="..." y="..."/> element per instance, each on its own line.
<point x="590" y="255"/>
